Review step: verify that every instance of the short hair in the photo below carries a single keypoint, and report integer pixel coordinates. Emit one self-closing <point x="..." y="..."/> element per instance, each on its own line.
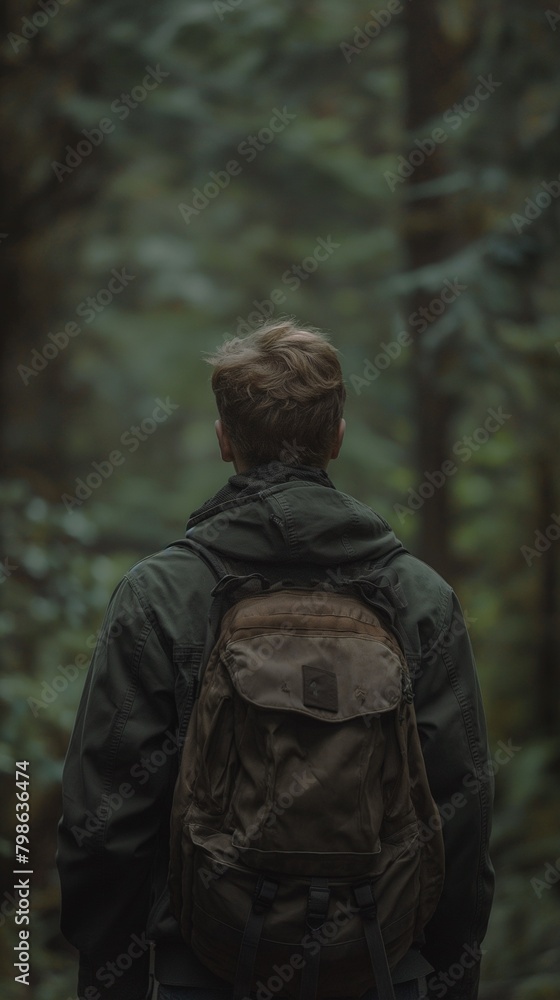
<point x="280" y="394"/>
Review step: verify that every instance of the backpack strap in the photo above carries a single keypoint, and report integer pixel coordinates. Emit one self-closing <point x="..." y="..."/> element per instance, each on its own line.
<point x="263" y="899"/>
<point x="214" y="562"/>
<point x="317" y="909"/>
<point x="227" y="581"/>
<point x="194" y="674"/>
<point x="374" y="940"/>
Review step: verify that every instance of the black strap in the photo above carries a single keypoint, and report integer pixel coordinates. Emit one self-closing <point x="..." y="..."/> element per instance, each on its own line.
<point x="217" y="568"/>
<point x="214" y="563"/>
<point x="374" y="940"/>
<point x="227" y="581"/>
<point x="317" y="909"/>
<point x="262" y="901"/>
<point x="224" y="581"/>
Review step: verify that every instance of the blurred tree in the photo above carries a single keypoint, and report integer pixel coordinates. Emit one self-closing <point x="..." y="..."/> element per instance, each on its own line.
<point x="436" y="228"/>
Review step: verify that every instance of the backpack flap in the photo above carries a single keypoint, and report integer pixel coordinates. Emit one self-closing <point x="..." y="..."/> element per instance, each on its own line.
<point x="316" y="683"/>
<point x="329" y="677"/>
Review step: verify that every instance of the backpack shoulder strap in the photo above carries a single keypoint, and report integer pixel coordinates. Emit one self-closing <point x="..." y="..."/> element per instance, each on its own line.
<point x="212" y="560"/>
<point x="227" y="580"/>
<point x="218" y="569"/>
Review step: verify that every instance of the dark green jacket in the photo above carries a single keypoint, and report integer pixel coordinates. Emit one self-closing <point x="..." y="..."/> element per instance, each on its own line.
<point x="122" y="760"/>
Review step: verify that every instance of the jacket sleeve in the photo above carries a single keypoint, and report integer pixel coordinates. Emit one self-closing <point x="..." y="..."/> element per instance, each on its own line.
<point x="452" y="730"/>
<point x="117" y="785"/>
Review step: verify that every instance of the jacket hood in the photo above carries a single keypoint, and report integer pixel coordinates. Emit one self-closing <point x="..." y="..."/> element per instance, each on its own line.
<point x="298" y="520"/>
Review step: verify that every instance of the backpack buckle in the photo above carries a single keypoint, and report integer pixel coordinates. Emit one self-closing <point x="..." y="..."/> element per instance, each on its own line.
<point x="366" y="900"/>
<point x="265" y="892"/>
<point x="317" y="903"/>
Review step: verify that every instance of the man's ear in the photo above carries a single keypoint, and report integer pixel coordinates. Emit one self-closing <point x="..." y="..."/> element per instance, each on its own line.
<point x="224" y="442"/>
<point x="339" y="439"/>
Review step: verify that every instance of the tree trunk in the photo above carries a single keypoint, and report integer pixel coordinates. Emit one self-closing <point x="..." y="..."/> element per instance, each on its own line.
<point x="435" y="79"/>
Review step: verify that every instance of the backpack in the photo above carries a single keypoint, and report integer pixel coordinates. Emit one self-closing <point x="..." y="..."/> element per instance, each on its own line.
<point x="297" y="867"/>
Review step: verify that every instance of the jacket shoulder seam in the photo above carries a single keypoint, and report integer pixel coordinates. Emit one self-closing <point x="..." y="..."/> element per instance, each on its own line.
<point x="149" y="613"/>
<point x="442" y="622"/>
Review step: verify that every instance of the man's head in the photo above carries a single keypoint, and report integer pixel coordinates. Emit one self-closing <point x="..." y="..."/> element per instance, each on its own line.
<point x="280" y="395"/>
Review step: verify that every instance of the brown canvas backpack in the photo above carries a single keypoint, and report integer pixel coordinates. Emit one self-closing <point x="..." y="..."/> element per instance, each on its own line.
<point x="297" y="866"/>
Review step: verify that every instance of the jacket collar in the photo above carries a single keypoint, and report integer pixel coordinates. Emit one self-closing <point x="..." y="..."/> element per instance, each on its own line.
<point x="253" y="482"/>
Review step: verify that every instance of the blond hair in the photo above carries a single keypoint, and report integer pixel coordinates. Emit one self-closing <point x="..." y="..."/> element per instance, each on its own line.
<point x="280" y="394"/>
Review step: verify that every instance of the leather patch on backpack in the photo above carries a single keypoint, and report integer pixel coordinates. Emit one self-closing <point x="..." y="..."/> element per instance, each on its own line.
<point x="319" y="688"/>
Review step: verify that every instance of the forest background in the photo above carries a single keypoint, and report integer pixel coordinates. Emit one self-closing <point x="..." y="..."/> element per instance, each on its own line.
<point x="174" y="173"/>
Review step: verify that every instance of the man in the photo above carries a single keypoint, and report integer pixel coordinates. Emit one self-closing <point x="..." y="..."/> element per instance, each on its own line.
<point x="280" y="397"/>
